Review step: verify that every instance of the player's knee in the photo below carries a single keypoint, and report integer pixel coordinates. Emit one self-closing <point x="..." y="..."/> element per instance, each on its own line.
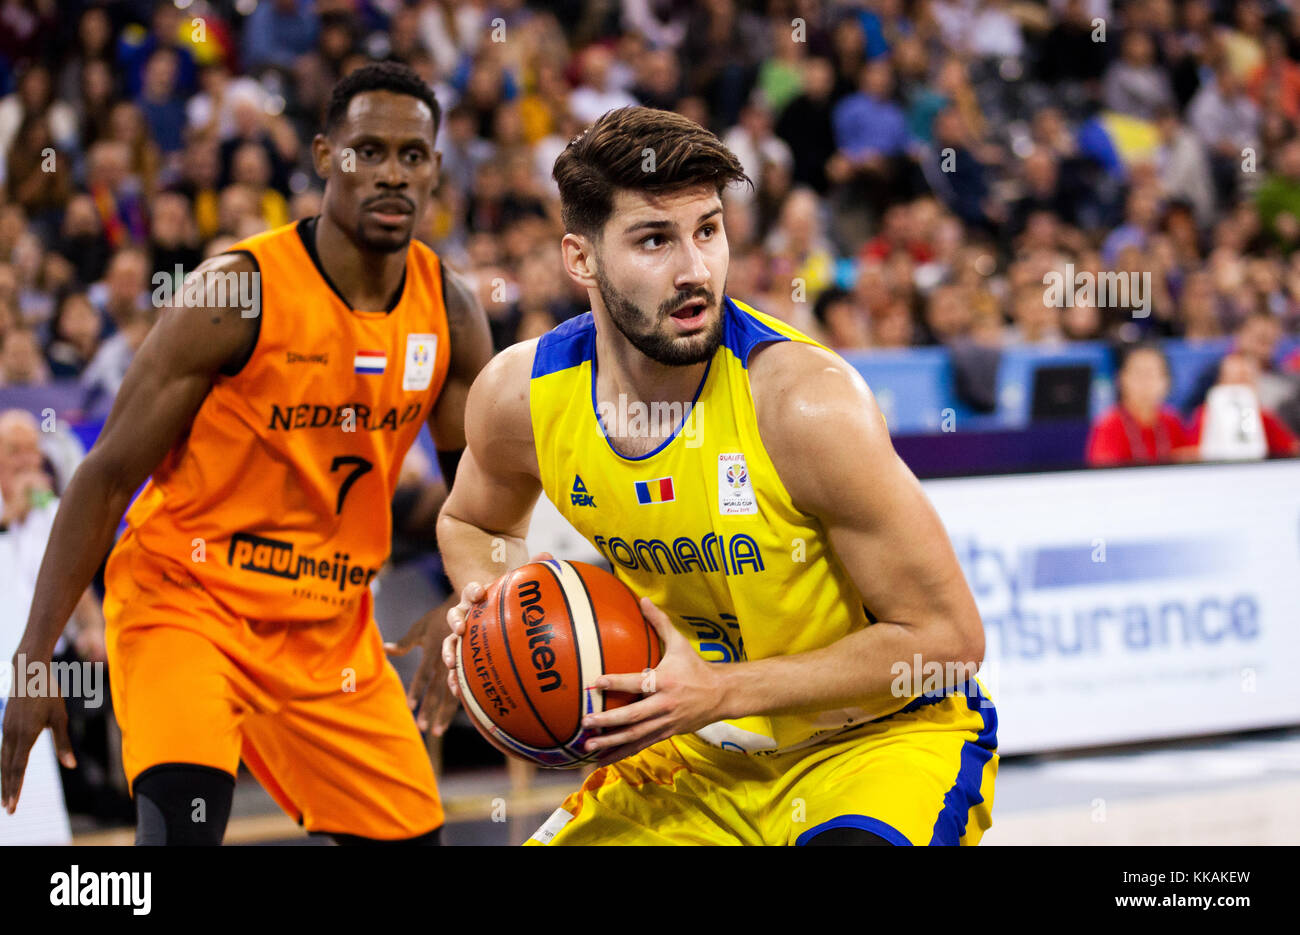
<point x="182" y="804"/>
<point x="428" y="839"/>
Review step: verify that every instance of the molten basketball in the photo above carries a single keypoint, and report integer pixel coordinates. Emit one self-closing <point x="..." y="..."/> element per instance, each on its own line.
<point x="544" y="633"/>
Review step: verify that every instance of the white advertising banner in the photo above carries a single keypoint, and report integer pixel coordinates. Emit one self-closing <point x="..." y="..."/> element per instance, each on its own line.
<point x="1135" y="603"/>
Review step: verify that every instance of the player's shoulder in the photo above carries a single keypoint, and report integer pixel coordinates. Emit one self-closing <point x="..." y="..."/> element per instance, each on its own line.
<point x="456" y="290"/>
<point x="232" y="261"/>
<point x="467" y="323"/>
<point x="204" y="325"/>
<point x="816" y="417"/>
<point x="498" y="420"/>
<point x="792" y="378"/>
<point x="277" y="247"/>
<point x="500" y="393"/>
<point x="800" y="380"/>
<point x="564" y="347"/>
<point x="774" y="360"/>
<point x="198" y="297"/>
<point x="509" y="371"/>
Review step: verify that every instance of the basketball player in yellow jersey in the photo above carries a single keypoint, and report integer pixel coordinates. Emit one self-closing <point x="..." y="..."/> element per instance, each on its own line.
<point x="788" y="559"/>
<point x="238" y="608"/>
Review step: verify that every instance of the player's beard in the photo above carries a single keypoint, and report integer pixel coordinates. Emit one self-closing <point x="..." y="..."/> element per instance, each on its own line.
<point x="374" y="245"/>
<point x="671" y="350"/>
<point x="377" y="239"/>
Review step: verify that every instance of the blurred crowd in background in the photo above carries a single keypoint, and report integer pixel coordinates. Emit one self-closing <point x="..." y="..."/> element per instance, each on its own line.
<point x="919" y="166"/>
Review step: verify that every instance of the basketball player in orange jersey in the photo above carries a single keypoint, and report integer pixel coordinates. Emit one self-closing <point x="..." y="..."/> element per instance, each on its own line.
<point x="820" y="642"/>
<point x="238" y="606"/>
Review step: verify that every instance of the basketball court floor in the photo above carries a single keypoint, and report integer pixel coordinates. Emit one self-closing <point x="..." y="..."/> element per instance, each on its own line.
<point x="1226" y="790"/>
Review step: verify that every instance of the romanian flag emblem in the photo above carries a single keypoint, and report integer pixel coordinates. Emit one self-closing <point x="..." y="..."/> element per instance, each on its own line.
<point x="659" y="490"/>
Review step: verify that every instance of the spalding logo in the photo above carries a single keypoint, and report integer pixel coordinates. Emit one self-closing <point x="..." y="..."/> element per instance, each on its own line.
<point x="539" y="634"/>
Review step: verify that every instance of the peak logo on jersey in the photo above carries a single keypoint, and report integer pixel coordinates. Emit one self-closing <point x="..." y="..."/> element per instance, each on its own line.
<point x="735" y="492"/>
<point x="370" y="362"/>
<point x="276" y="557"/>
<point x="579" y="495"/>
<point x="421" y="350"/>
<point x="659" y="490"/>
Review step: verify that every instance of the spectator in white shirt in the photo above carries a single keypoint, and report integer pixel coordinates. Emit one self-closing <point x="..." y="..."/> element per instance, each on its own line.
<point x="597" y="93"/>
<point x="756" y="146"/>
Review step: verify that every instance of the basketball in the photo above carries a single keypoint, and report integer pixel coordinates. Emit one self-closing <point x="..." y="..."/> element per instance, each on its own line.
<point x="543" y="634"/>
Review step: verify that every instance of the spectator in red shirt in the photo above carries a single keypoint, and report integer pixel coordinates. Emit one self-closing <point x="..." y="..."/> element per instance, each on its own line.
<point x="1276" y="79"/>
<point x="898" y="231"/>
<point x="1141" y="429"/>
<point x="1239" y="368"/>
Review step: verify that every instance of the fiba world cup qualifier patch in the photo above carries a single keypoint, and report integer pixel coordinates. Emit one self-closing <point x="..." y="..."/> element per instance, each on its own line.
<point x="421" y="351"/>
<point x="735" y="492"/>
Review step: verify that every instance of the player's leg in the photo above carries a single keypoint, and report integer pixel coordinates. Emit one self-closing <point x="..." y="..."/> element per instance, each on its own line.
<point x="180" y="732"/>
<point x="342" y="754"/>
<point x="666" y="794"/>
<point x="351" y="765"/>
<point x="182" y="804"/>
<point x="179" y="696"/>
<point x="265" y="774"/>
<point x="921" y="777"/>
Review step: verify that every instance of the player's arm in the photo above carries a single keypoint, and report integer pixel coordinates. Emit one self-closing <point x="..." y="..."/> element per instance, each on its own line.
<point x="484" y="522"/>
<point x="482" y="525"/>
<point x="829" y="444"/>
<point x="471" y="349"/>
<point x="163" y="389"/>
<point x="824" y="432"/>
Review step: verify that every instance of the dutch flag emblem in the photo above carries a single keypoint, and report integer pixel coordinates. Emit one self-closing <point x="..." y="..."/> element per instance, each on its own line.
<point x="370" y="362"/>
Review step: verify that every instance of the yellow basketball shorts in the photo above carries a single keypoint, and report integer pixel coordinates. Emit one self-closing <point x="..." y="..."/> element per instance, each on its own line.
<point x="923" y="775"/>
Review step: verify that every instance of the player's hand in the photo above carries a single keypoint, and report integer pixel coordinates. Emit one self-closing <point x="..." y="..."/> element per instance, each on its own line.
<point x="429" y="696"/>
<point x="473" y="593"/>
<point x="25" y="718"/>
<point x="683" y="694"/>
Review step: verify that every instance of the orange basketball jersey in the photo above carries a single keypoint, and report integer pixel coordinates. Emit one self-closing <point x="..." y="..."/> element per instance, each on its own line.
<point x="277" y="502"/>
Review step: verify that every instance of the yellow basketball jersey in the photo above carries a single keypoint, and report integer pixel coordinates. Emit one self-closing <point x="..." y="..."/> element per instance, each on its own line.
<point x="702" y="526"/>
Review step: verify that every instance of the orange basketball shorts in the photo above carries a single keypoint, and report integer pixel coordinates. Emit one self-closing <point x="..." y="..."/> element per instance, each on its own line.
<point x="314" y="709"/>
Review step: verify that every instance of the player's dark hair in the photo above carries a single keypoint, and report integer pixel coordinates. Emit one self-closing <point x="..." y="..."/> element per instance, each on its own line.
<point x="637" y="149"/>
<point x="380" y="76"/>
